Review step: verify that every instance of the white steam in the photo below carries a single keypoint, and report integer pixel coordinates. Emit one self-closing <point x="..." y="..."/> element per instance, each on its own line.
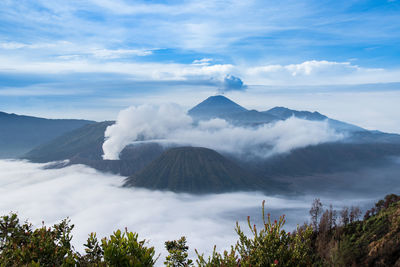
<point x="142" y="122"/>
<point x="170" y="123"/>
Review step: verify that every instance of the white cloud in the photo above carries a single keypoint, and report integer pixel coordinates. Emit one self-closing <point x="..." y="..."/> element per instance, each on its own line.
<point x="37" y="91"/>
<point x="138" y="71"/>
<point x="74" y="60"/>
<point x="232" y="83"/>
<point x="117" y="53"/>
<point x="203" y="61"/>
<point x="306" y="68"/>
<point x="143" y="122"/>
<point x="318" y="73"/>
<point x="17" y="45"/>
<point x="121" y="7"/>
<point x="170" y="124"/>
<point x="95" y="202"/>
<point x="12" y="45"/>
<point x="67" y="50"/>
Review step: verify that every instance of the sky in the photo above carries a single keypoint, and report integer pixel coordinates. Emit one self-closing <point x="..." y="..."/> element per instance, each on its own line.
<point x="90" y="59"/>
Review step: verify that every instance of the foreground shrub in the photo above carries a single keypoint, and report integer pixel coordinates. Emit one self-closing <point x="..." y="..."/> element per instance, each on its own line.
<point x="178" y="256"/>
<point x="270" y="246"/>
<point x="20" y="245"/>
<point x="374" y="241"/>
<point x="121" y="249"/>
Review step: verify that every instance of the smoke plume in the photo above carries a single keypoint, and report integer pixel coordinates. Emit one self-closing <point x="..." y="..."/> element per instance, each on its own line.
<point x="170" y="124"/>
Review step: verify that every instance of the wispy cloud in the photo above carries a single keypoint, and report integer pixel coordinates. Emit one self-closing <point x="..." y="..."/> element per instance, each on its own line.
<point x="138" y="70"/>
<point x="319" y="73"/>
<point x="266" y="43"/>
<point x="306" y="73"/>
<point x="238" y="32"/>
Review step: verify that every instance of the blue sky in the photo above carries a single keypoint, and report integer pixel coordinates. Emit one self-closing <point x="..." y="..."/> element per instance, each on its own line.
<point x="91" y="58"/>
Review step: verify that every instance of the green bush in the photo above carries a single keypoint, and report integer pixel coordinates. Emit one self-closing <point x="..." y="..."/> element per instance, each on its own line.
<point x="270" y="246"/>
<point x="20" y="245"/>
<point x="125" y="250"/>
<point x="178" y="256"/>
<point x="121" y="249"/>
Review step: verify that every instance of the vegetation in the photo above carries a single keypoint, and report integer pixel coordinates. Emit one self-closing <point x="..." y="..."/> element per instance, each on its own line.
<point x="375" y="241"/>
<point x="20" y="245"/>
<point x="178" y="256"/>
<point x="270" y="246"/>
<point x="333" y="238"/>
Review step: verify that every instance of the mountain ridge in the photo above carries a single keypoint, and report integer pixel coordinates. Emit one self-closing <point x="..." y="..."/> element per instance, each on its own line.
<point x="21" y="133"/>
<point x="215" y="106"/>
<point x="360" y="148"/>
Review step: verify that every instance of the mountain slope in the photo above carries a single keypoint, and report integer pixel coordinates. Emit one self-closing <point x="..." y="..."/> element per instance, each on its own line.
<point x="285" y="113"/>
<point x="326" y="158"/>
<point x="373" y="241"/>
<point x="224" y="108"/>
<point x="86" y="141"/>
<point x="249" y="118"/>
<point x="19" y="134"/>
<point x="187" y="169"/>
<point x="215" y="106"/>
<point x="84" y="146"/>
<point x="194" y="170"/>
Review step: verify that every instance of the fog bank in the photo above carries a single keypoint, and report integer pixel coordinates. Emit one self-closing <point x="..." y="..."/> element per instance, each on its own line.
<point x="95" y="202"/>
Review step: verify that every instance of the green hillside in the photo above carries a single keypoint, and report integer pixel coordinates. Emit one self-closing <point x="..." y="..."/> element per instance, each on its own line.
<point x="374" y="241"/>
<point x="327" y="158"/>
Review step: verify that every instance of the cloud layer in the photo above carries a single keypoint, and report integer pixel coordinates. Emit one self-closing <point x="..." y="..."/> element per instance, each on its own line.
<point x="318" y="72"/>
<point x="95" y="202"/>
<point x="312" y="72"/>
<point x="170" y="124"/>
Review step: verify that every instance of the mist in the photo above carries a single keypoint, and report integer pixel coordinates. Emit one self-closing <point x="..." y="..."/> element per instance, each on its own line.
<point x="169" y="123"/>
<point x="96" y="202"/>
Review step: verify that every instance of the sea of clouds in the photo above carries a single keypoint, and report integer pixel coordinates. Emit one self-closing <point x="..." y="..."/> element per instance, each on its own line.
<point x="96" y="202"/>
<point x="169" y="123"/>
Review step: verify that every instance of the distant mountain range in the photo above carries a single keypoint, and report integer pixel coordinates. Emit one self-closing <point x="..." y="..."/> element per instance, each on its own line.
<point x="201" y="170"/>
<point x="222" y="107"/>
<point x="19" y="134"/>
